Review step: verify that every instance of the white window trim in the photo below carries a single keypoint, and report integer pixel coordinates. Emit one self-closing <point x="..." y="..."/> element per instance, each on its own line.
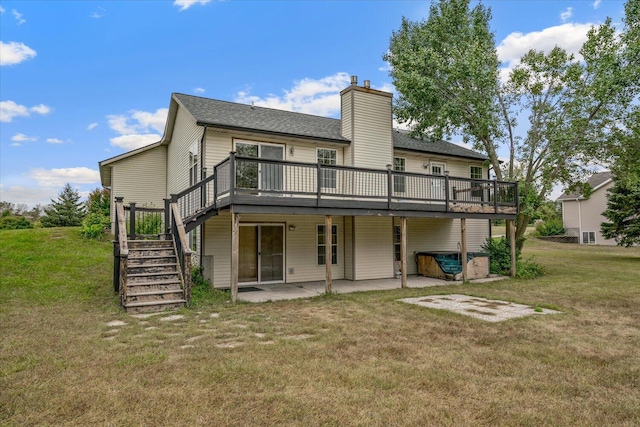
<point x="335" y="178"/>
<point x="337" y="245"/>
<point x="481" y="173"/>
<point x="588" y="240"/>
<point x="442" y="164"/>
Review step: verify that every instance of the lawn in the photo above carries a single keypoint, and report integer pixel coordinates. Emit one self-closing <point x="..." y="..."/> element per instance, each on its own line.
<point x="353" y="359"/>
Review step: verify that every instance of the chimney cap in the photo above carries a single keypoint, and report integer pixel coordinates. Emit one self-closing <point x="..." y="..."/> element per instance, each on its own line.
<point x="367" y="84"/>
<point x="354" y="80"/>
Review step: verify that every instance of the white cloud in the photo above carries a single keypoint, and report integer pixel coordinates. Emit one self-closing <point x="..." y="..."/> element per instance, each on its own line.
<point x="18" y="17"/>
<point x="199" y="90"/>
<point x="138" y="129"/>
<point x="9" y="110"/>
<point x="99" y="14"/>
<point x="14" y="53"/>
<point x="320" y="97"/>
<point x="186" y="4"/>
<point x="570" y="37"/>
<point x="30" y="196"/>
<point x="41" y="109"/>
<point x="59" y="177"/>
<point x="21" y="137"/>
<point x="92" y="126"/>
<point x="596" y="4"/>
<point x="566" y="14"/>
<point x="133" y="141"/>
<point x="54" y="141"/>
<point x="138" y="121"/>
<point x="2" y="9"/>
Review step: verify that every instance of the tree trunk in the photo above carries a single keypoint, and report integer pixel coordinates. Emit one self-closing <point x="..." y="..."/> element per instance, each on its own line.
<point x="522" y="221"/>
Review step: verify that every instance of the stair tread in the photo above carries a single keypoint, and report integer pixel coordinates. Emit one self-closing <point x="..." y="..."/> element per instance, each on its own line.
<point x="153" y="265"/>
<point x="150" y="303"/>
<point x="162" y="273"/>
<point x="160" y="292"/>
<point x="157" y="282"/>
<point x="152" y="256"/>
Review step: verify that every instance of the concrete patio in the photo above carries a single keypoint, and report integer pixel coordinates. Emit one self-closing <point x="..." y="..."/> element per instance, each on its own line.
<point x="288" y="291"/>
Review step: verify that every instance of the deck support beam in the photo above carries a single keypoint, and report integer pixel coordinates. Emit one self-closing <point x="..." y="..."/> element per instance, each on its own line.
<point x="328" y="243"/>
<point x="463" y="248"/>
<point x="512" y="244"/>
<point x="403" y="251"/>
<point x="235" y="244"/>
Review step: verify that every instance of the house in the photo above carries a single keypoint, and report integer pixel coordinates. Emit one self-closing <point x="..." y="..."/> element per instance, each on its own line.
<point x="269" y="196"/>
<point x="582" y="216"/>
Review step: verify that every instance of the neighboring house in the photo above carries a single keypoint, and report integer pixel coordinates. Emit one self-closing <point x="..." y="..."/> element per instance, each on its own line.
<point x="582" y="216"/>
<point x="268" y="196"/>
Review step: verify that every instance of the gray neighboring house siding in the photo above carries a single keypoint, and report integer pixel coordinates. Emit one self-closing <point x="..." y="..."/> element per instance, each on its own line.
<point x="582" y="215"/>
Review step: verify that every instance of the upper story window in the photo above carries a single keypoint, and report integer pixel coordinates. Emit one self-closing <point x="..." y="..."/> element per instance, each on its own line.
<point x="399" y="164"/>
<point x="193" y="165"/>
<point x="475" y="172"/>
<point x="327" y="156"/>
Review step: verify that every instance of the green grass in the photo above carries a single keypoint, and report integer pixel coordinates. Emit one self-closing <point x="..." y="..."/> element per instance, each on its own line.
<point x="351" y="359"/>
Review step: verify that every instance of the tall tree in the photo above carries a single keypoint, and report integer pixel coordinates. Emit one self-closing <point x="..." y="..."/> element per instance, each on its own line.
<point x="623" y="199"/>
<point x="447" y="73"/>
<point x="66" y="211"/>
<point x="99" y="202"/>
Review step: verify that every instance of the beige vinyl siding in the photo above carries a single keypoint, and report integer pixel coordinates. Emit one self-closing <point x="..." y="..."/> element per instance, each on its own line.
<point x="218" y="147"/>
<point x="591" y="210"/>
<point x="185" y="133"/>
<point x="348" y="248"/>
<point x="415" y="163"/>
<point x="140" y="179"/>
<point x="300" y="246"/>
<point x="345" y="113"/>
<point x="372" y="142"/>
<point x="571" y="218"/>
<point x="373" y="247"/>
<point x="441" y="234"/>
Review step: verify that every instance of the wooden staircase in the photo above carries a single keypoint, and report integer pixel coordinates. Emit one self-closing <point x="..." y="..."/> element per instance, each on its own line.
<point x="154" y="281"/>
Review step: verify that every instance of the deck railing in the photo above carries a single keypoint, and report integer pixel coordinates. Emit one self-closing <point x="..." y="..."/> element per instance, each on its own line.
<point x="249" y="176"/>
<point x="120" y="251"/>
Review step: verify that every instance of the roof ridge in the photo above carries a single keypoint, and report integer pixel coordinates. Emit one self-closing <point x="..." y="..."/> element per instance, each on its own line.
<point x="255" y="106"/>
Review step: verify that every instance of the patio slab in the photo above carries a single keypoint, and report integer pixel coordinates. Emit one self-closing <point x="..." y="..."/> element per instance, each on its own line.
<point x="480" y="308"/>
<point x="288" y="291"/>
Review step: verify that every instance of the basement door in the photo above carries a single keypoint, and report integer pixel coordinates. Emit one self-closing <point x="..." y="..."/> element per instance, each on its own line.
<point x="261" y="253"/>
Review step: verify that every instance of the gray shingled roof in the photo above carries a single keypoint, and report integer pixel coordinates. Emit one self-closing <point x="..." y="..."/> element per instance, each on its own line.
<point x="402" y="141"/>
<point x="240" y="116"/>
<point x="232" y="115"/>
<point x="594" y="181"/>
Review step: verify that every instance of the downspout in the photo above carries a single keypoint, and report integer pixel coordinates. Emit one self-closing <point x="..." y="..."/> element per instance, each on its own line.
<point x="579" y="222"/>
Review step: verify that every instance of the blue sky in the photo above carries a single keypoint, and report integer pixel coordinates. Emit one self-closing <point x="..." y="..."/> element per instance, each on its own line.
<point x="82" y="81"/>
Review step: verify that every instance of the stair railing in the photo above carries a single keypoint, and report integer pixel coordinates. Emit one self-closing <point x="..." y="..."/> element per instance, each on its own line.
<point x="120" y="252"/>
<point x="182" y="249"/>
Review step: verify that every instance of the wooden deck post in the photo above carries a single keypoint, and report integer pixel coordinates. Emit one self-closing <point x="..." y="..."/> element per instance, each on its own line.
<point x="235" y="243"/>
<point x="327" y="251"/>
<point x="463" y="248"/>
<point x="403" y="251"/>
<point x="512" y="245"/>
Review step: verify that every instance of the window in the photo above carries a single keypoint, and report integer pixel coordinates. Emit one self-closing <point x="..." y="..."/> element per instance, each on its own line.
<point x="193" y="167"/>
<point x="399" y="181"/>
<point x="334" y="245"/>
<point x="327" y="176"/>
<point x="476" y="187"/>
<point x="396" y="243"/>
<point x="193" y="237"/>
<point x="589" y="237"/>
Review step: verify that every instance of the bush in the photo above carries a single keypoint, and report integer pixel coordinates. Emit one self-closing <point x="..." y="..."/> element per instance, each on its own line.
<point x="202" y="293"/>
<point x="550" y="227"/>
<point x="499" y="251"/>
<point x="11" y="222"/>
<point x="93" y="225"/>
<point x="149" y="224"/>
